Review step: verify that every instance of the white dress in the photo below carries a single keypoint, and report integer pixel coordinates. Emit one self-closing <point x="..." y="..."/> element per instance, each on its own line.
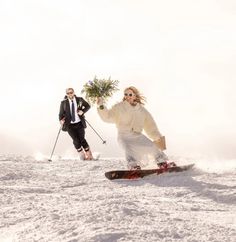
<point x="139" y="150"/>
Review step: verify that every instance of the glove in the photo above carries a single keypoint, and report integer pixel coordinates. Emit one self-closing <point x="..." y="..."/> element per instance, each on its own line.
<point x="160" y="143"/>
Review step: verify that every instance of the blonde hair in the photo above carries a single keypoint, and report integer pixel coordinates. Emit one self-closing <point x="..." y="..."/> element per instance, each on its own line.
<point x="139" y="98"/>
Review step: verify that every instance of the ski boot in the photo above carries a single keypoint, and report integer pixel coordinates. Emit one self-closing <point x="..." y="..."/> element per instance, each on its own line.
<point x="137" y="167"/>
<point x="81" y="154"/>
<point x="88" y="154"/>
<point x="165" y="165"/>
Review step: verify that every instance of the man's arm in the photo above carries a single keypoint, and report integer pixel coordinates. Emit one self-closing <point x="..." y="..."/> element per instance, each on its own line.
<point x="62" y="111"/>
<point x="83" y="106"/>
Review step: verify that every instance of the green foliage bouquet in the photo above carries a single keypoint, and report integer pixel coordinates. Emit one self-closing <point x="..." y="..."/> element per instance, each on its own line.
<point x="99" y="88"/>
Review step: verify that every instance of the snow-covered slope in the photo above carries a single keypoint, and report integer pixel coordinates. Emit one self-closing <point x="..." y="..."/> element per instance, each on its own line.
<point x="71" y="200"/>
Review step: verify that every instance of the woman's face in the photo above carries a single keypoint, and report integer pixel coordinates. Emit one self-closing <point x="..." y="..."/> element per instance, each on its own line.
<point x="129" y="96"/>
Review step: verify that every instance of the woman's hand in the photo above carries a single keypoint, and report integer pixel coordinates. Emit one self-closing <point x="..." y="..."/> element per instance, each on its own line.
<point x="160" y="143"/>
<point x="100" y="102"/>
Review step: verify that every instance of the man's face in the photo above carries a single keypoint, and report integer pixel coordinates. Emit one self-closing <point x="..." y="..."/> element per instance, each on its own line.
<point x="70" y="93"/>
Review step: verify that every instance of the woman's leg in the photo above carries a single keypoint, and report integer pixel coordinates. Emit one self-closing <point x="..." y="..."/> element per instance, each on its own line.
<point x="132" y="163"/>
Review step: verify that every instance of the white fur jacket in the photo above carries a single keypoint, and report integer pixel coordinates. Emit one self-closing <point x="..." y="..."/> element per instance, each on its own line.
<point x="131" y="118"/>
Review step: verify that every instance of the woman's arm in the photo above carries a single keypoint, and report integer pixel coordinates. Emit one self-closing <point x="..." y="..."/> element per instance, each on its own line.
<point x="151" y="128"/>
<point x="107" y="115"/>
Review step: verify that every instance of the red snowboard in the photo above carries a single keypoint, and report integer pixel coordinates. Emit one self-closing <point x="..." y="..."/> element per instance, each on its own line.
<point x="134" y="174"/>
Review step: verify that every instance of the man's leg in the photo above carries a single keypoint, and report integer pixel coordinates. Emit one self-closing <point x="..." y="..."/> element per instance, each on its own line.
<point x="72" y="131"/>
<point x="84" y="143"/>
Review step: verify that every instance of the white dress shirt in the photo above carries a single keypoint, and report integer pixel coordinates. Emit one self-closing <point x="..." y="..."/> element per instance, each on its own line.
<point x="77" y="119"/>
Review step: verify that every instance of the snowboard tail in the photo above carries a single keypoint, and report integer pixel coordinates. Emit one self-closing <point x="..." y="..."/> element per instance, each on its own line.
<point x="134" y="174"/>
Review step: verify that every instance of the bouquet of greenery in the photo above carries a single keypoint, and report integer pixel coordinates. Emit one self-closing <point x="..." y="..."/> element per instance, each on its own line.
<point x="99" y="88"/>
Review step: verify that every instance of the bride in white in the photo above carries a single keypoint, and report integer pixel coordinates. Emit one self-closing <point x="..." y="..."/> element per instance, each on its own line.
<point x="131" y="118"/>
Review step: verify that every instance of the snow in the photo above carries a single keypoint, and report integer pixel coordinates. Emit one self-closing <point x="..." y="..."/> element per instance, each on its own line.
<point x="71" y="200"/>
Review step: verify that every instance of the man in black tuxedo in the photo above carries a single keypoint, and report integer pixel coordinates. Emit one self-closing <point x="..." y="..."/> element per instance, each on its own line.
<point x="71" y="117"/>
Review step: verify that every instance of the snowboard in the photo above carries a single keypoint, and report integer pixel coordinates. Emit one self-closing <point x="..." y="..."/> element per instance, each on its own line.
<point x="135" y="174"/>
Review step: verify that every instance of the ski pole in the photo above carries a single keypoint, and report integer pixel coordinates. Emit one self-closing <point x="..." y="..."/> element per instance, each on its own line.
<point x="103" y="141"/>
<point x="50" y="159"/>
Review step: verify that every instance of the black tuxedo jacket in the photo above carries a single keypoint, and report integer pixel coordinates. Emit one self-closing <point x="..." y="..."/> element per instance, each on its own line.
<point x="65" y="110"/>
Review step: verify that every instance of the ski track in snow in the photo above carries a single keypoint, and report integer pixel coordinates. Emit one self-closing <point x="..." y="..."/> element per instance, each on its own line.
<point x="71" y="200"/>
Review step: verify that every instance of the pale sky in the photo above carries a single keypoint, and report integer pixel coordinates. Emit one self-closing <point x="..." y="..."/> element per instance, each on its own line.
<point x="180" y="54"/>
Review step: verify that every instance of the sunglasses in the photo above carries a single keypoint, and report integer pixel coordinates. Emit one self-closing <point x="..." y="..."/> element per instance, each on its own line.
<point x="69" y="93"/>
<point x="128" y="94"/>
